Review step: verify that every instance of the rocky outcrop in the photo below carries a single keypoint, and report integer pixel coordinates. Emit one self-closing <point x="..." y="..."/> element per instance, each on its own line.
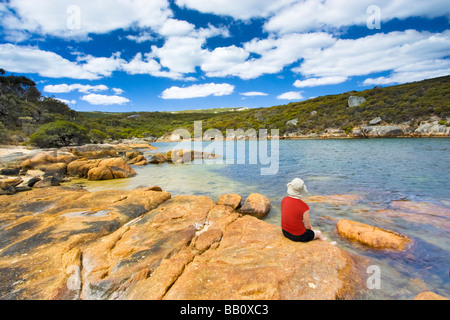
<point x="256" y="205"/>
<point x="372" y="236"/>
<point x="382" y="131"/>
<point x="433" y="129"/>
<point x="355" y="101"/>
<point x="64" y="243"/>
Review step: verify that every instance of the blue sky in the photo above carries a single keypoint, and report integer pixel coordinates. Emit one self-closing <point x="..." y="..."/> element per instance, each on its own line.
<point x="161" y="55"/>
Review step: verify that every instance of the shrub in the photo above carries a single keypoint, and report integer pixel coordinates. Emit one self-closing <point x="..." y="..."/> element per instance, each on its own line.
<point x="59" y="134"/>
<point x="97" y="136"/>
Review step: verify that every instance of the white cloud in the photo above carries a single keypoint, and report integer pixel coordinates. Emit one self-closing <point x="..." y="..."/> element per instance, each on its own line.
<point x="309" y="15"/>
<point x="237" y="9"/>
<point x="138" y="65"/>
<point x="117" y="90"/>
<point x="102" y="66"/>
<point x="291" y="95"/>
<point x="174" y="27"/>
<point x="396" y="52"/>
<point x="254" y="94"/>
<point x="52" y="17"/>
<point x="141" y="37"/>
<point x="416" y="72"/>
<point x="275" y="54"/>
<point x="66" y="101"/>
<point x="314" y="82"/>
<point x="24" y="59"/>
<point x="222" y="59"/>
<point x="180" y="54"/>
<point x="198" y="91"/>
<point x="98" y="99"/>
<point x="65" y="88"/>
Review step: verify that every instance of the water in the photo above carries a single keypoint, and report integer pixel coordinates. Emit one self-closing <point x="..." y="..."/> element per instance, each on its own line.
<point x="378" y="170"/>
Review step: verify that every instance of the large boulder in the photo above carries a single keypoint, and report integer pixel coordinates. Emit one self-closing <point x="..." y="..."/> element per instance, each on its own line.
<point x="382" y="131"/>
<point x="103" y="169"/>
<point x="256" y="205"/>
<point x="100" y="173"/>
<point x="355" y="101"/>
<point x="157" y="158"/>
<point x="372" y="236"/>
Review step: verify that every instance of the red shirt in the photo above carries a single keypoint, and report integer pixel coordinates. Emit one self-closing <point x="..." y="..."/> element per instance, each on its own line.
<point x="292" y="210"/>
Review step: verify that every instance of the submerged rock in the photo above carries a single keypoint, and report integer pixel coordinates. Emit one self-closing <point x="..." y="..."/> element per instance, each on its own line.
<point x="372" y="236"/>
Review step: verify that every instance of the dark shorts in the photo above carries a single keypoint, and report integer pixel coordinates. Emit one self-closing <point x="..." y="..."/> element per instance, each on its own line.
<point x="306" y="237"/>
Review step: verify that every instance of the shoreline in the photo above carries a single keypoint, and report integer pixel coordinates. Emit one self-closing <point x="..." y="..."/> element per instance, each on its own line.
<point x="204" y="238"/>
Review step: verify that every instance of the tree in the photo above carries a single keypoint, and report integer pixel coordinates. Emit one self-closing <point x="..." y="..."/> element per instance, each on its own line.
<point x="59" y="134"/>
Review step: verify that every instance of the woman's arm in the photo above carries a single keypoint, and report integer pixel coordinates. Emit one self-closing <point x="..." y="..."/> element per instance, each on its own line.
<point x="306" y="220"/>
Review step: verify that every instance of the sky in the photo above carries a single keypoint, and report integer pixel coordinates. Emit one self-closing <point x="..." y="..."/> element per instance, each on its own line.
<point x="170" y="55"/>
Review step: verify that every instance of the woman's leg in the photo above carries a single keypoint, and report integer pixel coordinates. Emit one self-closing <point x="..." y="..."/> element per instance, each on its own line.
<point x="318" y="235"/>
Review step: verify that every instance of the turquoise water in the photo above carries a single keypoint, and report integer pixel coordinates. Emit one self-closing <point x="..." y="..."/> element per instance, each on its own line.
<point x="378" y="170"/>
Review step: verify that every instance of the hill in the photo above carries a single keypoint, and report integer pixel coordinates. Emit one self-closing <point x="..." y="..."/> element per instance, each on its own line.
<point x="24" y="111"/>
<point x="411" y="103"/>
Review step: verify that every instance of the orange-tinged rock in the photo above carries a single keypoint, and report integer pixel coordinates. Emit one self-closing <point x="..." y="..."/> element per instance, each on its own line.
<point x="233" y="200"/>
<point x="372" y="236"/>
<point x="256" y="205"/>
<point x="428" y="295"/>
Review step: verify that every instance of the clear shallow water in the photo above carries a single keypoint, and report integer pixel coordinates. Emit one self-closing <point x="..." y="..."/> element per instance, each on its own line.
<point x="379" y="170"/>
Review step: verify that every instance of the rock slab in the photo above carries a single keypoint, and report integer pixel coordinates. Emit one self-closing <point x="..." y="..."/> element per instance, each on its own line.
<point x="142" y="244"/>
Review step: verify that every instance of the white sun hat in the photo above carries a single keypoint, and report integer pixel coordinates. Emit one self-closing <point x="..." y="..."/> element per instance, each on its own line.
<point x="297" y="188"/>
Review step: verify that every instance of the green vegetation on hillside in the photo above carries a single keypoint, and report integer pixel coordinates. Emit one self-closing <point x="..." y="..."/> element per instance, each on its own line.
<point x="23" y="110"/>
<point x="25" y="114"/>
<point x="412" y="102"/>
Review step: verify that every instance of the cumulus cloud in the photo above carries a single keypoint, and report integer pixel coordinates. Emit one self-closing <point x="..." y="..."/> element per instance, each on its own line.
<point x="198" y="91"/>
<point x="291" y="95"/>
<point x="147" y="65"/>
<point x="25" y="59"/>
<point x="55" y="17"/>
<point x="66" y="101"/>
<point x="254" y="94"/>
<point x="237" y="9"/>
<point x="309" y="15"/>
<point x="99" y="99"/>
<point x="143" y="36"/>
<point x="396" y="52"/>
<point x="65" y="88"/>
<point x="314" y="82"/>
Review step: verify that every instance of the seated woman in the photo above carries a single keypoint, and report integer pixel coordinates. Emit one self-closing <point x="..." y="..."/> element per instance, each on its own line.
<point x="295" y="214"/>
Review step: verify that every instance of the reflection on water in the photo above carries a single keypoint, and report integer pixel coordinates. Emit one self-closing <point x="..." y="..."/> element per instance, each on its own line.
<point x="379" y="170"/>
